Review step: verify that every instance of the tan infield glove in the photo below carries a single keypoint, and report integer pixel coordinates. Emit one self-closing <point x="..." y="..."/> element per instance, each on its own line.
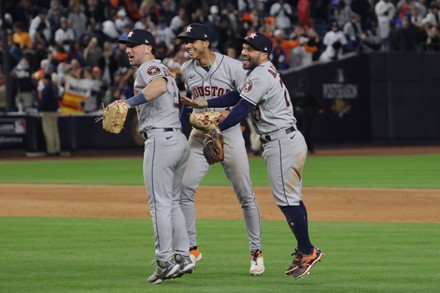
<point x="114" y="116"/>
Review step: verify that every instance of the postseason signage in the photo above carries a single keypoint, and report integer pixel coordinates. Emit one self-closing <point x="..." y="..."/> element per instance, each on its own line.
<point x="340" y="92"/>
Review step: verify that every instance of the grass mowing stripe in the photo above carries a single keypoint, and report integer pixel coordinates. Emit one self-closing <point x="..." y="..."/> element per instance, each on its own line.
<point x="113" y="255"/>
<point x="418" y="171"/>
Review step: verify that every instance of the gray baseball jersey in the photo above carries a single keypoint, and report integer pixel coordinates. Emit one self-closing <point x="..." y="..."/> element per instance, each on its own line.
<point x="165" y="159"/>
<point x="284" y="148"/>
<point x="160" y="112"/>
<point x="224" y="75"/>
<point x="265" y="89"/>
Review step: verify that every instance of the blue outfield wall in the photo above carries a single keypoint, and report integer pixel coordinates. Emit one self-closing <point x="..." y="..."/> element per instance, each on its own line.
<point x="375" y="97"/>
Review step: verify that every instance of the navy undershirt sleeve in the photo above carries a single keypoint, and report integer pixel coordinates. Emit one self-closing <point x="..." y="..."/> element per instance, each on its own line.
<point x="229" y="99"/>
<point x="184" y="113"/>
<point x="238" y="113"/>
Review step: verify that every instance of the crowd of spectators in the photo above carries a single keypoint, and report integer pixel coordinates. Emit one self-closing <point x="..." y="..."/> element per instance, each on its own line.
<point x="79" y="38"/>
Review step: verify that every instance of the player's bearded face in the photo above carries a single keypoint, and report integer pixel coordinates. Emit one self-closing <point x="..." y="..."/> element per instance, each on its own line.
<point x="250" y="57"/>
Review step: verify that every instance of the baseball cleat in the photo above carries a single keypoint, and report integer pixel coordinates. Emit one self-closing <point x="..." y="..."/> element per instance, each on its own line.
<point x="186" y="266"/>
<point x="164" y="270"/>
<point x="302" y="264"/>
<point x="195" y="254"/>
<point x="257" y="263"/>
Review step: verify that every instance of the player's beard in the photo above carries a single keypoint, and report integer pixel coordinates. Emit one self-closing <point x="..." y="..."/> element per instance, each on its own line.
<point x="250" y="62"/>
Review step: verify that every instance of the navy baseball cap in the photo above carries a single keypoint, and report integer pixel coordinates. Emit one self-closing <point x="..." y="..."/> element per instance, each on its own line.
<point x="195" y="31"/>
<point x="139" y="37"/>
<point x="259" y="41"/>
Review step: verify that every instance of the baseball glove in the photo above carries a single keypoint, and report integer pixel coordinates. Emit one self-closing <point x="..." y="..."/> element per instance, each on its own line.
<point x="214" y="147"/>
<point x="207" y="121"/>
<point x="114" y="116"/>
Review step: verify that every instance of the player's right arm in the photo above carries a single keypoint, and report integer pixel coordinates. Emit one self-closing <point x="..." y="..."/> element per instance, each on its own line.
<point x="227" y="100"/>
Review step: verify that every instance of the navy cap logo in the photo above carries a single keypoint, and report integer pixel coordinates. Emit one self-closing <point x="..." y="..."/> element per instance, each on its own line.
<point x="195" y="31"/>
<point x="139" y="37"/>
<point x="259" y="41"/>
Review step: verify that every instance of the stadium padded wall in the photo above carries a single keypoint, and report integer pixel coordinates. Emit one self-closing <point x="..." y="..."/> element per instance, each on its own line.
<point x="393" y="97"/>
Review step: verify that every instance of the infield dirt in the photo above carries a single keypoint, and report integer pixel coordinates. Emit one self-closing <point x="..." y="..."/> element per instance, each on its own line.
<point x="323" y="204"/>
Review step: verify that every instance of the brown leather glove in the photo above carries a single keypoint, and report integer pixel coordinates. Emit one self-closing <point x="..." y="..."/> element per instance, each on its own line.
<point x="214" y="147"/>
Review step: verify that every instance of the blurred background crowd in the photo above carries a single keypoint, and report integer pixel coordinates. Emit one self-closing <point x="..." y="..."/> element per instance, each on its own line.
<point x="78" y="38"/>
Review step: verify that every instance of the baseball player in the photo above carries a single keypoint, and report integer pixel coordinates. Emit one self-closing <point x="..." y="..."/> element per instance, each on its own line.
<point x="208" y="75"/>
<point x="165" y="155"/>
<point x="265" y="96"/>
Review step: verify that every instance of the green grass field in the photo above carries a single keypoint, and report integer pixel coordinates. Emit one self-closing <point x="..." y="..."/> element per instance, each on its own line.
<point x="116" y="255"/>
<point x="418" y="171"/>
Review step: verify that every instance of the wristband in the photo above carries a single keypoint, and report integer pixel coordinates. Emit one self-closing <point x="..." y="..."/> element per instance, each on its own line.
<point x="137" y="100"/>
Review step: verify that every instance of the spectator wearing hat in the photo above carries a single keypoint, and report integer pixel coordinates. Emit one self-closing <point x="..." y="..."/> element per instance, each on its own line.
<point x="48" y="110"/>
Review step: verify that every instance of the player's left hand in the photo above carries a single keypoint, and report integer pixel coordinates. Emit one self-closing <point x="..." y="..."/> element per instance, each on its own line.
<point x="197" y="104"/>
<point x="114" y="116"/>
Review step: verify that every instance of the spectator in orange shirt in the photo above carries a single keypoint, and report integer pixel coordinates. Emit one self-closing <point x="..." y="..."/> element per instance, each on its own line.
<point x="20" y="36"/>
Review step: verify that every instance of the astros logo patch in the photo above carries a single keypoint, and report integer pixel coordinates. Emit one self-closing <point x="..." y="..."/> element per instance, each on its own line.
<point x="153" y="70"/>
<point x="247" y="86"/>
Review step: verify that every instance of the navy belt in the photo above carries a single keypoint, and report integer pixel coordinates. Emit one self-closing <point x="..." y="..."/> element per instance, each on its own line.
<point x="276" y="135"/>
<point x="145" y="135"/>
